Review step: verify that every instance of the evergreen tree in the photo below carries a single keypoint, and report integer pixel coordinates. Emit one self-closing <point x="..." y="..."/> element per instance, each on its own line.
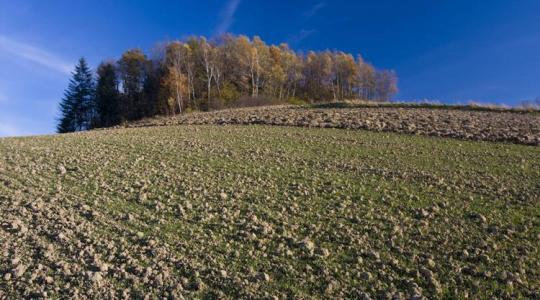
<point x="152" y="99"/>
<point x="66" y="123"/>
<point x="107" y="100"/>
<point x="198" y="74"/>
<point x="76" y="108"/>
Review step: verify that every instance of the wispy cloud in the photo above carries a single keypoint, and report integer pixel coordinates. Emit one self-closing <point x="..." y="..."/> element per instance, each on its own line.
<point x="315" y="9"/>
<point x="300" y="36"/>
<point x="34" y="54"/>
<point x="227" y="16"/>
<point x="14" y="123"/>
<point x="9" y="130"/>
<point x="3" y="98"/>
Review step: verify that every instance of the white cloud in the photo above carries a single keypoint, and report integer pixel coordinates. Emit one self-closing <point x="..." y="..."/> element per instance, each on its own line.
<point x="34" y="54"/>
<point x="227" y="16"/>
<point x="300" y="36"/>
<point x="315" y="9"/>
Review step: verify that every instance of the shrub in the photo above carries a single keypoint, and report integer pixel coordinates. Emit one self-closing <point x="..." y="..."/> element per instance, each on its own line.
<point x="247" y="101"/>
<point x="296" y="101"/>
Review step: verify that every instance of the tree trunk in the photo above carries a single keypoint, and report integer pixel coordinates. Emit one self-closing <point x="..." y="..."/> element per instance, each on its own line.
<point x="179" y="99"/>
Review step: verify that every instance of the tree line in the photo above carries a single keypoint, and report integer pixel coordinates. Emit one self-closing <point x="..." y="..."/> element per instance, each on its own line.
<point x="198" y="74"/>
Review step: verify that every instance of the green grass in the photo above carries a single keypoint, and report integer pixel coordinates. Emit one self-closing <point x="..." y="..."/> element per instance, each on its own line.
<point x="345" y="190"/>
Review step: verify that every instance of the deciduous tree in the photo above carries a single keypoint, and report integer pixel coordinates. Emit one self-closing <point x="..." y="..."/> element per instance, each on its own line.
<point x="199" y="74"/>
<point x="132" y="67"/>
<point x="176" y="80"/>
<point x="385" y="85"/>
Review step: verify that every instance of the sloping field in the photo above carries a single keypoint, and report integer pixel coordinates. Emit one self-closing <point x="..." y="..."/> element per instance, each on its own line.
<point x="267" y="212"/>
<point x="471" y="123"/>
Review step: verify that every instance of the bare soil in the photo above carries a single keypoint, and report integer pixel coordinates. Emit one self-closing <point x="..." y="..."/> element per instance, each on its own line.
<point x="479" y="125"/>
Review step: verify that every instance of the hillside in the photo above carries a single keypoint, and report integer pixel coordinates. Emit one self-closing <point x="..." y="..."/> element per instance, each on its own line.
<point x="267" y="212"/>
<point x="462" y="122"/>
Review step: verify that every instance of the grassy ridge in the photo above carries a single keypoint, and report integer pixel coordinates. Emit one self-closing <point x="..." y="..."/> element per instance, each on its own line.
<point x="257" y="211"/>
<point x="468" y="107"/>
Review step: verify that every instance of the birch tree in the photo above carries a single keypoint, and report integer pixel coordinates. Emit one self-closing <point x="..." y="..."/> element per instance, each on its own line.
<point x="177" y="69"/>
<point x="206" y="52"/>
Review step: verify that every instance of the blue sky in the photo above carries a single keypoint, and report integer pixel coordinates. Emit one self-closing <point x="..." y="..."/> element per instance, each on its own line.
<point x="448" y="50"/>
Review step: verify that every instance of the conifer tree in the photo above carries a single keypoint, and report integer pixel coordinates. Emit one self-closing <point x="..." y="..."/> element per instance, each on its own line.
<point x="66" y="123"/>
<point x="107" y="100"/>
<point x="197" y="74"/>
<point x="76" y="108"/>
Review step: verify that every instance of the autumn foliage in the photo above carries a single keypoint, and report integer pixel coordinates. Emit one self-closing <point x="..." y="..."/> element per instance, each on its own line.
<point x="229" y="71"/>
